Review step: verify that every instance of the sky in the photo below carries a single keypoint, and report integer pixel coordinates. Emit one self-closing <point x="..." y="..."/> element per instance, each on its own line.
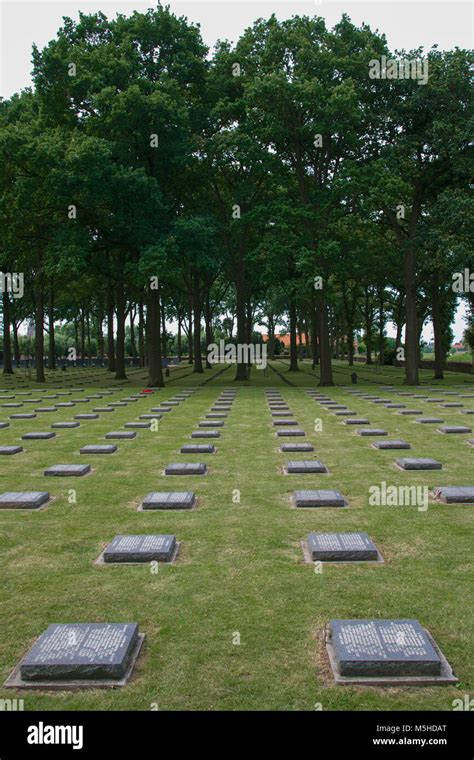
<point x="406" y="25"/>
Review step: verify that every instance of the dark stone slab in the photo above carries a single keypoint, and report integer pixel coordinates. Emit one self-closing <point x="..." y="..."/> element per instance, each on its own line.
<point x="371" y="431"/>
<point x="356" y="421"/>
<point x="23" y="499"/>
<point x="346" y="413"/>
<point x="103" y="409"/>
<point x="170" y="403"/>
<point x="98" y="449"/>
<point x="117" y="403"/>
<point x="318" y="498"/>
<point x="141" y="548"/>
<point x="341" y="547"/>
<point x="209" y="424"/>
<point x="65" y="404"/>
<point x="305" y="466"/>
<point x="454" y="429"/>
<point x="418" y="463"/>
<point x="216" y="415"/>
<point x="121" y="434"/>
<point x="4" y="425"/>
<point x="25" y="416"/>
<point x="287" y="447"/>
<point x="161" y="409"/>
<point x="383" y="648"/>
<point x="47" y="409"/>
<point x="86" y="416"/>
<point x="275" y="423"/>
<point x="410" y="411"/>
<point x="451" y="404"/>
<point x="205" y="434"/>
<point x="169" y="500"/>
<point x="398" y="444"/>
<point x="395" y="406"/>
<point x="150" y="417"/>
<point x="63" y="470"/>
<point x="35" y="436"/>
<point x="197" y="448"/>
<point x="65" y="425"/>
<point x="138" y="425"/>
<point x="10" y="449"/>
<point x="81" y="651"/>
<point x="12" y="406"/>
<point x="455" y="494"/>
<point x="186" y="468"/>
<point x="289" y="433"/>
<point x="467" y="411"/>
<point x="428" y="420"/>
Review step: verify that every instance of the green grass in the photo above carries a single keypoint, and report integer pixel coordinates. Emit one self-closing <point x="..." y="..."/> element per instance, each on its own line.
<point x="240" y="567"/>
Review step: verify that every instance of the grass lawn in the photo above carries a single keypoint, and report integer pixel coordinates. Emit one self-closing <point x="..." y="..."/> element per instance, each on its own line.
<point x="240" y="568"/>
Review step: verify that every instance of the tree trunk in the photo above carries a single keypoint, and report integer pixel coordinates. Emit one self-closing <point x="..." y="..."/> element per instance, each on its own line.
<point x="88" y="333"/>
<point x="39" y="332"/>
<point x="314" y="332"/>
<point x="7" y="346"/>
<point x="83" y="335"/>
<point x="120" y="357"/>
<point x="110" y="331"/>
<point x="324" y="344"/>
<point x="381" y="330"/>
<point x="16" y="343"/>
<point x="153" y="340"/>
<point x="133" y="345"/>
<point x="179" y="341"/>
<point x="197" y="324"/>
<point x="52" y="347"/>
<point x="411" y="323"/>
<point x="293" y="346"/>
<point x="141" y="346"/>
<point x="240" y="301"/>
<point x="100" y="334"/>
<point x="164" y="336"/>
<point x="208" y="327"/>
<point x="190" y="330"/>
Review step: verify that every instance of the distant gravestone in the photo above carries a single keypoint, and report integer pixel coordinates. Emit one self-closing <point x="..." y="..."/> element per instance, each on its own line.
<point x="197" y="448"/>
<point x="161" y="409"/>
<point x="186" y="468"/>
<point x="276" y="423"/>
<point x="399" y="444"/>
<point x="205" y="434"/>
<point x="121" y="434"/>
<point x="410" y="411"/>
<point x="81" y="651"/>
<point x="98" y="449"/>
<point x="141" y="548"/>
<point x="287" y="447"/>
<point x="341" y="547"/>
<point x="150" y="417"/>
<point x="169" y="500"/>
<point x="371" y="431"/>
<point x="65" y="425"/>
<point x="290" y="433"/>
<point x="428" y="420"/>
<point x="216" y="415"/>
<point x="25" y="416"/>
<point x="305" y="466"/>
<point x="378" y="648"/>
<point x="86" y="416"/>
<point x="68" y="470"/>
<point x="4" y="425"/>
<point x="138" y="425"/>
<point x="418" y="463"/>
<point x="455" y="494"/>
<point x="209" y="424"/>
<point x="356" y="421"/>
<point x="23" y="499"/>
<point x="7" y="450"/>
<point x="454" y="429"/>
<point x="38" y="436"/>
<point x="318" y="498"/>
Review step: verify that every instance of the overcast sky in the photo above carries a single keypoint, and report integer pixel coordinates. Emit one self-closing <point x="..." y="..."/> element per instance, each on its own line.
<point x="406" y="25"/>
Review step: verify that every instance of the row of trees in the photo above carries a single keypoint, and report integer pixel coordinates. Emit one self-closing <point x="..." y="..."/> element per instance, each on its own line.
<point x="143" y="181"/>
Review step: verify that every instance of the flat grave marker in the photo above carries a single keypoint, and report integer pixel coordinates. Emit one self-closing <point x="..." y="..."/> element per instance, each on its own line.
<point x="342" y="547"/>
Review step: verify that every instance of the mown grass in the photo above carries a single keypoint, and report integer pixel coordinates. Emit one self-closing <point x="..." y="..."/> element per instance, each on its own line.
<point x="240" y="569"/>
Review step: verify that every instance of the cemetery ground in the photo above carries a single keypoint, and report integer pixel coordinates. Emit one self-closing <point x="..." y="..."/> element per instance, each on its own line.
<point x="240" y="572"/>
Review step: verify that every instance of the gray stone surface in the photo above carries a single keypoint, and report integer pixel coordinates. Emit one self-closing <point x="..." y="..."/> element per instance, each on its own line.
<point x="346" y="413"/>
<point x="139" y="425"/>
<point x="428" y="420"/>
<point x="318" y="498"/>
<point x="141" y="548"/>
<point x="285" y="421"/>
<point x="216" y="415"/>
<point x="65" y="425"/>
<point x="121" y="434"/>
<point x="103" y="409"/>
<point x="356" y="421"/>
<point x="371" y="431"/>
<point x="47" y="409"/>
<point x="290" y="433"/>
<point x="86" y="416"/>
<point x="418" y="463"/>
<point x="81" y="651"/>
<point x="287" y="447"/>
<point x="305" y="466"/>
<point x="341" y="547"/>
<point x="394" y="444"/>
<point x="451" y="404"/>
<point x="383" y="648"/>
<point x="205" y="434"/>
<point x="161" y="409"/>
<point x="95" y="448"/>
<point x="186" y="468"/>
<point x="169" y="500"/>
<point x="4" y="425"/>
<point x="10" y="449"/>
<point x="23" y="499"/>
<point x="454" y="429"/>
<point x="410" y="411"/>
<point x="455" y="494"/>
<point x="63" y="470"/>
<point x="24" y="416"/>
<point x="395" y="406"/>
<point x="209" y="424"/>
<point x="37" y="436"/>
<point x="197" y="448"/>
<point x="155" y="416"/>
